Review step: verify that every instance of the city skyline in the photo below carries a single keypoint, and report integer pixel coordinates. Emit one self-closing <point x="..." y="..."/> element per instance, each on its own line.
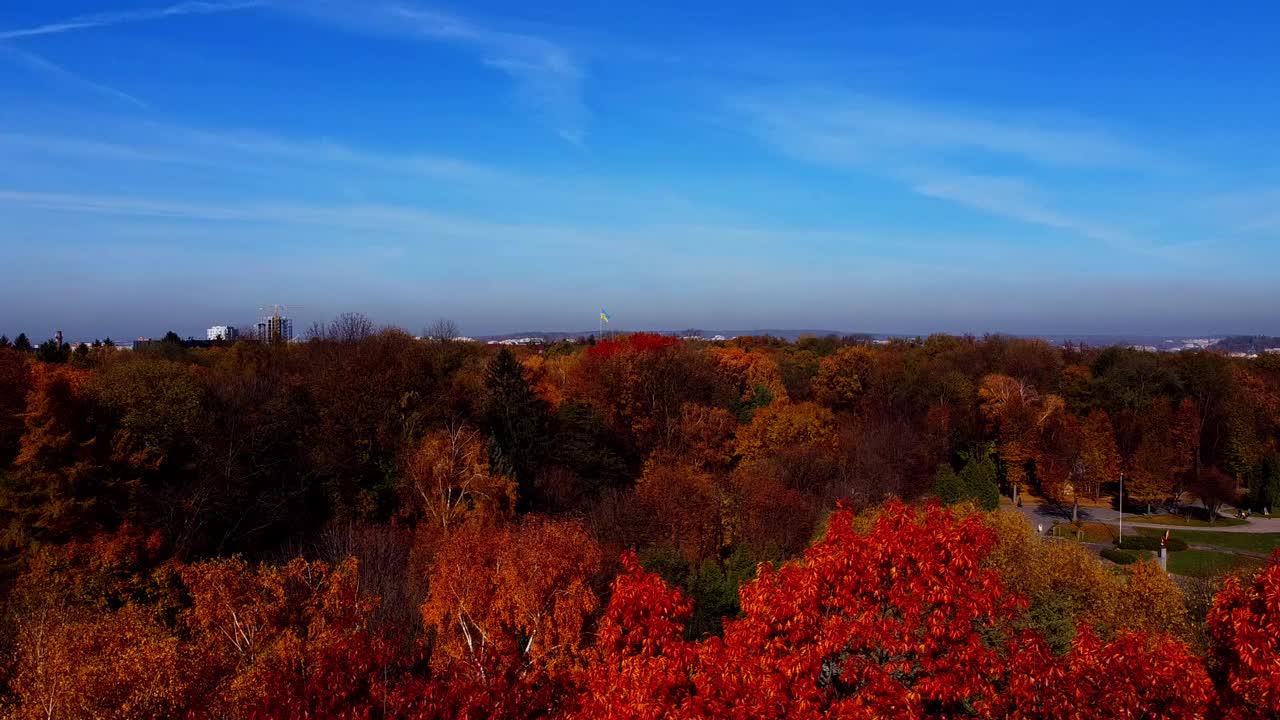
<point x="1097" y="169"/>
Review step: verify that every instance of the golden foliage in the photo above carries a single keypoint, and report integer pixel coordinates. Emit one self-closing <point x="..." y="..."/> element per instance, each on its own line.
<point x="1066" y="576"/>
<point x="1020" y="416"/>
<point x="79" y="663"/>
<point x="549" y="377"/>
<point x="748" y="370"/>
<point x="449" y="479"/>
<point x="781" y="425"/>
<point x="842" y="378"/>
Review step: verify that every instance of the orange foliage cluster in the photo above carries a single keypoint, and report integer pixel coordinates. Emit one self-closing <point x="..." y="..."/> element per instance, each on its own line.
<point x="901" y="617"/>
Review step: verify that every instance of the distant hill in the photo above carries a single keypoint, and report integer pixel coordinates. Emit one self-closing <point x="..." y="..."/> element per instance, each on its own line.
<point x="1154" y="342"/>
<point x="554" y="335"/>
<point x="1250" y="344"/>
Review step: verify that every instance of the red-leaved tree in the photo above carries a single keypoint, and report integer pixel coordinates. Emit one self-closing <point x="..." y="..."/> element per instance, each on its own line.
<point x="1244" y="629"/>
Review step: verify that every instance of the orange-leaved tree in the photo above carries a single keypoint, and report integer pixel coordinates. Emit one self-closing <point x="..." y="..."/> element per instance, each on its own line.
<point x="512" y="596"/>
<point x="73" y="662"/>
<point x="289" y="641"/>
<point x="448" y="480"/>
<point x="1160" y="457"/>
<point x="686" y="508"/>
<point x="1019" y="415"/>
<point x="753" y="375"/>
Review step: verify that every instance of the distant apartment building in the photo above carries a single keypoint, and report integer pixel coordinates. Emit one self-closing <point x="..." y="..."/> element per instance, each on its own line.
<point x="276" y="328"/>
<point x="225" y="333"/>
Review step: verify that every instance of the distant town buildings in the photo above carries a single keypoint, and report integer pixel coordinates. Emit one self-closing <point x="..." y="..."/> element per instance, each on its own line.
<point x="224" y="333"/>
<point x="520" y="341"/>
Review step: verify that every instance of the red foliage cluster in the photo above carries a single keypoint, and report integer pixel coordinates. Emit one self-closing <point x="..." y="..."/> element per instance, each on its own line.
<point x="899" y="621"/>
<point x="637" y="342"/>
<point x="1244" y="626"/>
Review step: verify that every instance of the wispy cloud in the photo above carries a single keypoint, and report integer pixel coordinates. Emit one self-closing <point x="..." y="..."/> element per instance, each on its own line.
<point x="80" y="148"/>
<point x="1014" y="198"/>
<point x="40" y="64"/>
<point x="397" y="220"/>
<point x="242" y="151"/>
<point x="654" y="243"/>
<point x="548" y="76"/>
<point x="835" y="127"/>
<point x="122" y="17"/>
<point x="332" y="152"/>
<point x="960" y="156"/>
<point x="1249" y="211"/>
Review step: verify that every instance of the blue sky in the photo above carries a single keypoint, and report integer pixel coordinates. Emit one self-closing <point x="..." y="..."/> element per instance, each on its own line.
<point x="965" y="167"/>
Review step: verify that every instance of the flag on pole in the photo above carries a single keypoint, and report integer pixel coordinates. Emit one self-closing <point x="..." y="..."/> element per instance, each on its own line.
<point x="604" y="316"/>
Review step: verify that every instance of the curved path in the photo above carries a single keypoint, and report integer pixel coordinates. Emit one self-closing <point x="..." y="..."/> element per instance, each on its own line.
<point x="1048" y="514"/>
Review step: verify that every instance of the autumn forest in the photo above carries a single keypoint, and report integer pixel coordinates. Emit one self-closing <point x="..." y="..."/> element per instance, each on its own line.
<point x="371" y="525"/>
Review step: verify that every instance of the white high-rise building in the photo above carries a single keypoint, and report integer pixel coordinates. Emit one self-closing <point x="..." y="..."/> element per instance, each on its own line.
<point x="221" y="332"/>
<point x="276" y="328"/>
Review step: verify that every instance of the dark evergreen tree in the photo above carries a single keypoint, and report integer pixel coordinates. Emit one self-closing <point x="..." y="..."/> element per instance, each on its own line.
<point x="4" y="342"/>
<point x="975" y="482"/>
<point x="51" y="352"/>
<point x="979" y="476"/>
<point x="517" y="420"/>
<point x="947" y="486"/>
<point x="21" y="343"/>
<point x="1265" y="485"/>
<point x="584" y="444"/>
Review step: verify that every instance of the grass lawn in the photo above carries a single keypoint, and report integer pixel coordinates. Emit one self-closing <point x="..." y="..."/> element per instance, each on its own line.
<point x="1256" y="542"/>
<point x="1206" y="563"/>
<point x="1094" y="532"/>
<point x="1186" y="520"/>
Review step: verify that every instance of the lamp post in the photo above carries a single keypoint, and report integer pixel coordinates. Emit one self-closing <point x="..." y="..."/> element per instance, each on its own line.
<point x="1121" y="509"/>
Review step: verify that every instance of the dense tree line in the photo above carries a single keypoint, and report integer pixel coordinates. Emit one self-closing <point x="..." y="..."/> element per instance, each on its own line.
<point x="367" y="524"/>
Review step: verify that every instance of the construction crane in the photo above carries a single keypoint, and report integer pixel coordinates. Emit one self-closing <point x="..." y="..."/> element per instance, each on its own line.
<point x="278" y="309"/>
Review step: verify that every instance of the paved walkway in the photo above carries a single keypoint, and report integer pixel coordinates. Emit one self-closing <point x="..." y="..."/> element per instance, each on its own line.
<point x="1047" y="515"/>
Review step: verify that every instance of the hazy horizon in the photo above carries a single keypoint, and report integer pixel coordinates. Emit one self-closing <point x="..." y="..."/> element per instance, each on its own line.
<point x="1083" y="170"/>
<point x="75" y="332"/>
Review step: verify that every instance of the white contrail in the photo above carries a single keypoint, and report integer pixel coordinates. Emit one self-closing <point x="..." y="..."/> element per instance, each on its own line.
<point x="42" y="65"/>
<point x="85" y="22"/>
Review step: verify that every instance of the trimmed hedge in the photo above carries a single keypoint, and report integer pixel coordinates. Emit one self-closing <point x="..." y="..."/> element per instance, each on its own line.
<point x="1124" y="557"/>
<point x="1146" y="542"/>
